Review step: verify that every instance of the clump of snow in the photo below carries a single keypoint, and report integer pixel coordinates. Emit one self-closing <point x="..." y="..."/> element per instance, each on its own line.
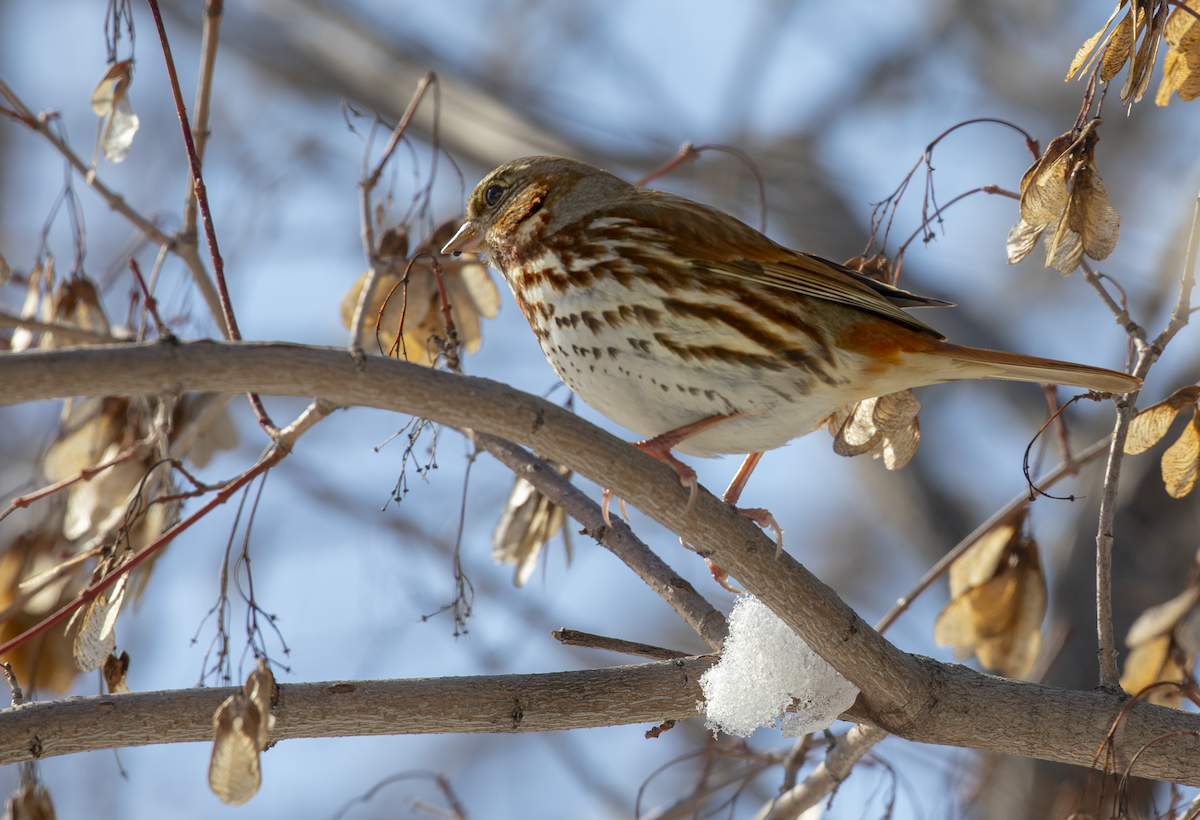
<point x="765" y="668"/>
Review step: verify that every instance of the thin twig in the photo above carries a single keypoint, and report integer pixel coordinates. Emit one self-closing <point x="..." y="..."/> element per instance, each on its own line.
<point x="573" y="637"/>
<point x="73" y="332"/>
<point x="1148" y="354"/>
<point x="838" y="763"/>
<point x="213" y="9"/>
<point x="150" y="302"/>
<point x="688" y="152"/>
<point x="1051" y="478"/>
<point x="365" y="187"/>
<point x="618" y="539"/>
<point x="278" y="450"/>
<point x="20" y="502"/>
<point x="116" y="202"/>
<point x="201" y="192"/>
<point x="18" y="697"/>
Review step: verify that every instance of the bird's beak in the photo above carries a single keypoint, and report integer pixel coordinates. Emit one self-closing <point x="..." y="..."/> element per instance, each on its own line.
<point x="469" y="239"/>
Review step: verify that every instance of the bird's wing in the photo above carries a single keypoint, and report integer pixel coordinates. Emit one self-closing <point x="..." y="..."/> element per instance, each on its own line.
<point x="723" y="246"/>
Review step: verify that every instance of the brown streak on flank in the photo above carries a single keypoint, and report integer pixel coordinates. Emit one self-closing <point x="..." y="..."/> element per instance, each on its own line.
<point x="775" y="310"/>
<point x="618" y="269"/>
<point x="591" y="321"/>
<point x="612" y="318"/>
<point x="747" y="327"/>
<point x="646" y="316"/>
<point x="612" y="353"/>
<point x="626" y="312"/>
<point x="719" y="354"/>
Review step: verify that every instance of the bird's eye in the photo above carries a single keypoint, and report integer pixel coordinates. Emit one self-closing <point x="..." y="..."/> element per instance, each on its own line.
<point x="492" y="195"/>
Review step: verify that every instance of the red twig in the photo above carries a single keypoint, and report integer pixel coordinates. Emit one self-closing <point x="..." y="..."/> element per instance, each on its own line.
<point x="401" y="127"/>
<point x="83" y="475"/>
<point x="210" y="232"/>
<point x="90" y="592"/>
<point x="150" y="302"/>
<point x="688" y="152"/>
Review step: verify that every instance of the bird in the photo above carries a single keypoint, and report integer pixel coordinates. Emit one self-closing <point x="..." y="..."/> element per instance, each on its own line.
<point x="694" y="330"/>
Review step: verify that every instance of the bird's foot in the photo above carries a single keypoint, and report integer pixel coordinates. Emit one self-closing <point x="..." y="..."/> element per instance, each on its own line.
<point x="765" y="520"/>
<point x="660" y="448"/>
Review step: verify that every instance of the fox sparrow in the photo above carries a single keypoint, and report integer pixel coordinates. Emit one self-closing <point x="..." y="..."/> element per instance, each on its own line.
<point x="689" y="327"/>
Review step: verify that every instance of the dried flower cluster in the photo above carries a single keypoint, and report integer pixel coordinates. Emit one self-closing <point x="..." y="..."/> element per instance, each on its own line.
<point x="409" y="316"/>
<point x="1063" y="201"/>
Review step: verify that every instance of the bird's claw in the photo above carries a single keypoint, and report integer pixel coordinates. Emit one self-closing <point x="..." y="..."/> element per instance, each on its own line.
<point x="765" y="520"/>
<point x="722" y="577"/>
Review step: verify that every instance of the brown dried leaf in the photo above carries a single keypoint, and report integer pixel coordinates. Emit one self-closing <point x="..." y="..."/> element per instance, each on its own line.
<point x="112" y="87"/>
<point x="980" y="563"/>
<point x="1089" y="45"/>
<point x="1120" y="48"/>
<point x="897" y="448"/>
<point x="1089" y="223"/>
<point x="30" y="801"/>
<point x="1161" y="619"/>
<point x="1181" y="65"/>
<point x="96" y="639"/>
<point x="529" y="520"/>
<point x="1044" y="185"/>
<point x="895" y="411"/>
<point x="1152" y="424"/>
<point x="115" y="670"/>
<point x="858" y="434"/>
<point x="110" y="102"/>
<point x="1181" y="461"/>
<point x="76" y="302"/>
<point x="241" y="727"/>
<point x="1091" y="216"/>
<point x="998" y="601"/>
<point x="1148" y="663"/>
<point x="1021" y="239"/>
<point x="23" y="338"/>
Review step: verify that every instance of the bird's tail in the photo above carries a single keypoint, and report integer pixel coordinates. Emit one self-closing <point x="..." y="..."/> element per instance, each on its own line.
<point x="974" y="363"/>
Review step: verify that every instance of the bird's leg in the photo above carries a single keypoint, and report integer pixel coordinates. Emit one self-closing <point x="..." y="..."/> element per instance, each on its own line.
<point x="660" y="447"/>
<point x="758" y="515"/>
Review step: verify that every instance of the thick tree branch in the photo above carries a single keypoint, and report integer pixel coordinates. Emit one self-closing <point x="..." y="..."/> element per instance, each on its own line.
<point x="645" y="693"/>
<point x="912" y="697"/>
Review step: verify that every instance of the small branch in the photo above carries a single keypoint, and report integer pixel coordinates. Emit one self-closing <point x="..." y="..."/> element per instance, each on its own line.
<point x="150" y="302"/>
<point x="688" y="152"/>
<point x="18" y="697"/>
<point x="618" y="539"/>
<point x="573" y="637"/>
<point x="72" y="332"/>
<point x="365" y="187"/>
<point x="20" y="502"/>
<point x="1148" y="354"/>
<point x="836" y="767"/>
<point x="1118" y="309"/>
<point x="213" y="9"/>
<point x="201" y="194"/>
